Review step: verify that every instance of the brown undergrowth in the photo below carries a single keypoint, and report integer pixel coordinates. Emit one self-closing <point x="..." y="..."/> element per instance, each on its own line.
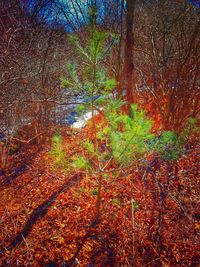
<point x="47" y="216"/>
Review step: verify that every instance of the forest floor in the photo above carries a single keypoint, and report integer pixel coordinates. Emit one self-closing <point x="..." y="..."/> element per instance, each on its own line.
<point x="47" y="216"/>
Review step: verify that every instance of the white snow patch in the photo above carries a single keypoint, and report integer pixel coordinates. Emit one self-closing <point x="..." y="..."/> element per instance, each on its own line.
<point x="82" y="120"/>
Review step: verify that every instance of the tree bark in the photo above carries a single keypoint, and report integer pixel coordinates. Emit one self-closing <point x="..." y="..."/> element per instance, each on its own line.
<point x="129" y="44"/>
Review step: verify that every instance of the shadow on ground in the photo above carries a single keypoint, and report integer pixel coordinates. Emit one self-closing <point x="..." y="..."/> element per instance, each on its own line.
<point x="39" y="212"/>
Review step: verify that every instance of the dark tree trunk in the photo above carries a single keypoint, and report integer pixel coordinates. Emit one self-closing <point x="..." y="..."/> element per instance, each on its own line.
<point x="129" y="66"/>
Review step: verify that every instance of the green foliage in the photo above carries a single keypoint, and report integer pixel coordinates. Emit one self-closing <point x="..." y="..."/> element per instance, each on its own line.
<point x="72" y="81"/>
<point x="109" y="85"/>
<point x="166" y="145"/>
<point x="81" y="189"/>
<point x="96" y="44"/>
<point x="105" y="176"/>
<point x="126" y="136"/>
<point x="80" y="163"/>
<point x="59" y="158"/>
<point x="135" y="204"/>
<point x="89" y="146"/>
<point x="114" y="105"/>
<point x="191" y="128"/>
<point x="122" y="137"/>
<point x="94" y="192"/>
<point x="170" y="145"/>
<point x="57" y="140"/>
<point x="90" y="75"/>
<point x="80" y="109"/>
<point x="100" y="101"/>
<point x="117" y="201"/>
<point x="168" y="137"/>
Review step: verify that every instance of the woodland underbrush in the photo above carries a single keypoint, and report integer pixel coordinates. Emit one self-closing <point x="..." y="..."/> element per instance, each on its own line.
<point x="149" y="212"/>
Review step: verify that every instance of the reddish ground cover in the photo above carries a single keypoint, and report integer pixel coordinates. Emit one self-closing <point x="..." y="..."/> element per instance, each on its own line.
<point x="47" y="216"/>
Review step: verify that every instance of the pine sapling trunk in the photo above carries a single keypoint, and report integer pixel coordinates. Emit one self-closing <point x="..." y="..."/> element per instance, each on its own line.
<point x="98" y="202"/>
<point x="92" y="105"/>
<point x="133" y="230"/>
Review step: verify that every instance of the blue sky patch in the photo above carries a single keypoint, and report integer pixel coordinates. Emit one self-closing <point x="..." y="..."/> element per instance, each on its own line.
<point x="195" y="2"/>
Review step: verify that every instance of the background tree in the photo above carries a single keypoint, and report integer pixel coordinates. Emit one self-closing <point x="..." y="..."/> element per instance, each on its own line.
<point x="167" y="52"/>
<point x="129" y="74"/>
<point x="32" y="57"/>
